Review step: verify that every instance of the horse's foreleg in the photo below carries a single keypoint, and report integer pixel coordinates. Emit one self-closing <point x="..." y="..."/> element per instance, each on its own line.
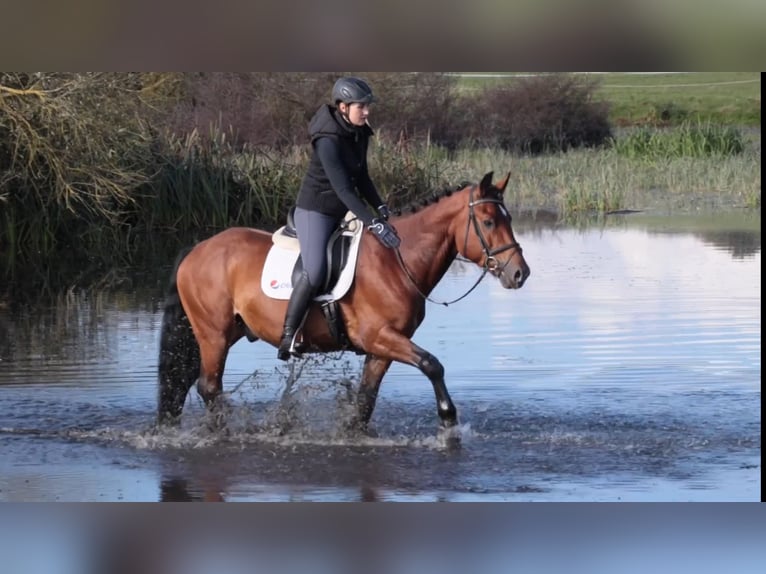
<point x="433" y="369"/>
<point x="393" y="345"/>
<point x="374" y="369"/>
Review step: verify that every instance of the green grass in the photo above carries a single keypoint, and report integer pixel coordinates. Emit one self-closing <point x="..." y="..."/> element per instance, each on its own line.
<point x="732" y="98"/>
<point x="592" y="181"/>
<point x="690" y="139"/>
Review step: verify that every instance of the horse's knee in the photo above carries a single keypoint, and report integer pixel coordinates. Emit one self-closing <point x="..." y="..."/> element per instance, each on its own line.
<point x="431" y="367"/>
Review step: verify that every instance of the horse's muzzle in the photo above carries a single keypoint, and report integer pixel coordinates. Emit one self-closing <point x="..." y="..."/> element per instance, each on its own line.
<point x="514" y="276"/>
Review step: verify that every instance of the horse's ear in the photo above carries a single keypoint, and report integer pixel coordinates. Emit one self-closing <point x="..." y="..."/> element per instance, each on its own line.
<point x="501" y="185"/>
<point x="486" y="181"/>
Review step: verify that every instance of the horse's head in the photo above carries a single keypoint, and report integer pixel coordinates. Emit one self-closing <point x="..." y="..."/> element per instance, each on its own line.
<point x="488" y="237"/>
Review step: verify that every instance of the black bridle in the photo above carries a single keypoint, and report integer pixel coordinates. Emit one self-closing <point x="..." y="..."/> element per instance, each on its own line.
<point x="491" y="264"/>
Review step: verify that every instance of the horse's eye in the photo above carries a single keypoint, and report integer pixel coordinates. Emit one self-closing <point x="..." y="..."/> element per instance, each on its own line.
<point x="488" y="223"/>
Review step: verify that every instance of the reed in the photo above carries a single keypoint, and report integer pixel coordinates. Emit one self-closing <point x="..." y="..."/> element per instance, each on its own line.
<point x="690" y="139"/>
<point x="405" y="171"/>
<point x="604" y="180"/>
<point x="206" y="183"/>
<point x="272" y="180"/>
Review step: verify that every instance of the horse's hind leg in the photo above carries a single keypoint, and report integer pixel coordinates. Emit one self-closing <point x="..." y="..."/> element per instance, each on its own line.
<point x="374" y="369"/>
<point x="173" y="388"/>
<point x="179" y="361"/>
<point x="213" y="353"/>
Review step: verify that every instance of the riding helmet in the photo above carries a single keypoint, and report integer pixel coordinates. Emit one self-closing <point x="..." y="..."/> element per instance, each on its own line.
<point x="351" y="90"/>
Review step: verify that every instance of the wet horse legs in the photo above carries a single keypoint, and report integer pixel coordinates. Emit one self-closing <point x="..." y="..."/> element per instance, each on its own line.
<point x="210" y="382"/>
<point x="394" y="346"/>
<point x="433" y="369"/>
<point x="372" y="375"/>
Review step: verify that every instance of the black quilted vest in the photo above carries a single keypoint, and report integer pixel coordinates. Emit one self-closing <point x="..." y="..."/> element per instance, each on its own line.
<point x="316" y="193"/>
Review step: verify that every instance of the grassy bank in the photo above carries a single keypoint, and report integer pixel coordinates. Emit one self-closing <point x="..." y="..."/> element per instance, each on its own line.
<point x="598" y="181"/>
<point x="730" y="98"/>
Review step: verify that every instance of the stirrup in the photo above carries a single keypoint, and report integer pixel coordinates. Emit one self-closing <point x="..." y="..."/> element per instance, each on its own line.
<point x="284" y="354"/>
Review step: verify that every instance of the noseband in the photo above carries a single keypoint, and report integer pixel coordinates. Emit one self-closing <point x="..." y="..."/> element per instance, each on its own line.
<point x="491" y="264"/>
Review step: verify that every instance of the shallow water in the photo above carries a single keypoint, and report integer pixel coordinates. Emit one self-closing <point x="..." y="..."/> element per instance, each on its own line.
<point x="627" y="368"/>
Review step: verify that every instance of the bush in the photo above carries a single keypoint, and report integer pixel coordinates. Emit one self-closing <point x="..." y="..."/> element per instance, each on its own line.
<point x="257" y="108"/>
<point x="531" y="115"/>
<point x="73" y="148"/>
<point x="274" y="109"/>
<point x="418" y="107"/>
<point x="537" y="115"/>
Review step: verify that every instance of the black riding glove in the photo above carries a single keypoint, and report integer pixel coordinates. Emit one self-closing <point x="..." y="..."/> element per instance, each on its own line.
<point x="384" y="212"/>
<point x="385" y="233"/>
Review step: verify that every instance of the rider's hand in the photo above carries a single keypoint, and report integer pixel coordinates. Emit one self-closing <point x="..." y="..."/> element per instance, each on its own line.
<point x="384" y="212"/>
<point x="385" y="233"/>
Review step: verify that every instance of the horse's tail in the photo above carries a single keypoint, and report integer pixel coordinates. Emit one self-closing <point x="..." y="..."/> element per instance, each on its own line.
<point x="179" y="360"/>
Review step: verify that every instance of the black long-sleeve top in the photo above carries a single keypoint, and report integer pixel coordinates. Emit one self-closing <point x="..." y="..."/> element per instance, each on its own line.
<point x="337" y="179"/>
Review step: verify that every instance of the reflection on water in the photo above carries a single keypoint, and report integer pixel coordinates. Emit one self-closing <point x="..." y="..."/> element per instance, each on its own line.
<point x="628" y="368"/>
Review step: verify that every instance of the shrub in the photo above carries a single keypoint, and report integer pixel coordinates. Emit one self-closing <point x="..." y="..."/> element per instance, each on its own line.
<point x="73" y="148"/>
<point x="538" y="114"/>
<point x="273" y="109"/>
<point x="257" y="108"/>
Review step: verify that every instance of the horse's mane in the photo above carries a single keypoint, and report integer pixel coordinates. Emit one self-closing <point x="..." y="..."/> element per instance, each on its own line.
<point x="434" y="197"/>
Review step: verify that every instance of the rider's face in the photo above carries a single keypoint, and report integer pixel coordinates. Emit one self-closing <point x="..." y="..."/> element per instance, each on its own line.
<point x="355" y="113"/>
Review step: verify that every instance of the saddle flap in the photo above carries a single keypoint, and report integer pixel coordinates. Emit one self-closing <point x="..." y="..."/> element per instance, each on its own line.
<point x="284" y="258"/>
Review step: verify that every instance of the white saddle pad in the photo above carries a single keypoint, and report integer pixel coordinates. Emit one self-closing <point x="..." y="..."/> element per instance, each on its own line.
<point x="276" y="280"/>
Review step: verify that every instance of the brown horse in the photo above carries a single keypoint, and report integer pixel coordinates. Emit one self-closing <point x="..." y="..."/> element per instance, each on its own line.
<point x="215" y="298"/>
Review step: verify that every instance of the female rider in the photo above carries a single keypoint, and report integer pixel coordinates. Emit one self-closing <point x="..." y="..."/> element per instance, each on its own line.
<point x="336" y="181"/>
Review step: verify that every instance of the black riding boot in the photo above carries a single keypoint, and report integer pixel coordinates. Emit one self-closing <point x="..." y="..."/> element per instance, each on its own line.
<point x="300" y="299"/>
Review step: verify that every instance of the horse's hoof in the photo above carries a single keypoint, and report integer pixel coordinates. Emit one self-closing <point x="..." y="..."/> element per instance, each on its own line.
<point x="356" y="428"/>
<point x="453" y="443"/>
<point x="449" y="435"/>
<point x="166" y="419"/>
<point x="218" y="428"/>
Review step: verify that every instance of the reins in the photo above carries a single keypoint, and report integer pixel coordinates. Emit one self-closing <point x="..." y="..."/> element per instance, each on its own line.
<point x="490" y="262"/>
<point x="426" y="297"/>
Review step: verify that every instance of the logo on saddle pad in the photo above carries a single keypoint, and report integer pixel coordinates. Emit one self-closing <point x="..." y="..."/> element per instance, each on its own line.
<point x="283" y="259"/>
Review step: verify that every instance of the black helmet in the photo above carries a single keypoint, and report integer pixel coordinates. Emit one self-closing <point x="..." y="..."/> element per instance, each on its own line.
<point x="352" y="90"/>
